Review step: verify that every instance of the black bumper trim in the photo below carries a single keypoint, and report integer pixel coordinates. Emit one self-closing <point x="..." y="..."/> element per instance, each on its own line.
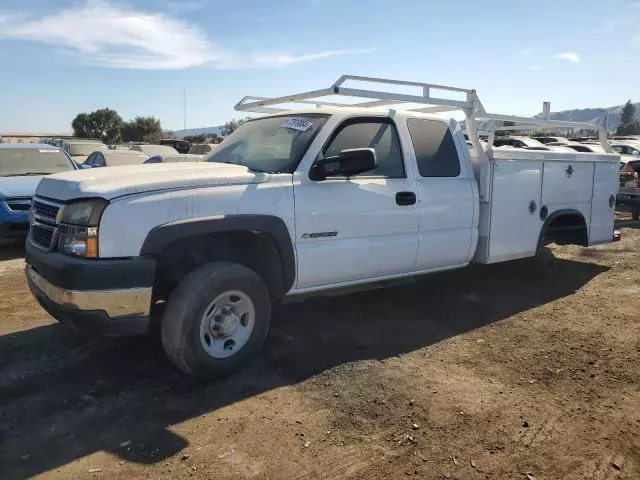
<point x="74" y="273"/>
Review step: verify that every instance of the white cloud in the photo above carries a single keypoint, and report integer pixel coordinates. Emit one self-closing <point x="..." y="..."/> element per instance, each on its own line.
<point x="108" y="35"/>
<point x="6" y="17"/>
<point x="282" y="59"/>
<point x="568" y="56"/>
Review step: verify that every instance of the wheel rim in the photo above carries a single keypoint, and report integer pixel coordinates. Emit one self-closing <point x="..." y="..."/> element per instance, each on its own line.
<point x="227" y="323"/>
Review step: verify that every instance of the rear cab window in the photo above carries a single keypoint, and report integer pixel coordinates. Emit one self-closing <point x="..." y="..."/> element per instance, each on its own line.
<point x="435" y="149"/>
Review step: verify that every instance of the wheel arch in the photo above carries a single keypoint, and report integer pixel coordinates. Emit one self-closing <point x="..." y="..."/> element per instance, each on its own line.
<point x="264" y="238"/>
<point x="566" y="226"/>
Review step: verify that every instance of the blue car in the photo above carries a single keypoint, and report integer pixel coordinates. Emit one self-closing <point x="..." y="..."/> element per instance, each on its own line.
<point x="22" y="166"/>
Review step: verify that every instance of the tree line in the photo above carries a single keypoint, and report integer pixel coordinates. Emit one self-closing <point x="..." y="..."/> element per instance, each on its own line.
<point x="108" y="126"/>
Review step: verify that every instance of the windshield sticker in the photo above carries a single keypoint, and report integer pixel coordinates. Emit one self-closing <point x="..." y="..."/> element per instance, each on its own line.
<point x="299" y="124"/>
<point x="49" y="150"/>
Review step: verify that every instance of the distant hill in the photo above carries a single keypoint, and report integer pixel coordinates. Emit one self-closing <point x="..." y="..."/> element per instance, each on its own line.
<point x="587" y="115"/>
<point x="591" y="115"/>
<point x="199" y="131"/>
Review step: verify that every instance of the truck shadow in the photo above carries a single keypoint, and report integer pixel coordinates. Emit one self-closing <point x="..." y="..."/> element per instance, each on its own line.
<point x="11" y="249"/>
<point x="63" y="397"/>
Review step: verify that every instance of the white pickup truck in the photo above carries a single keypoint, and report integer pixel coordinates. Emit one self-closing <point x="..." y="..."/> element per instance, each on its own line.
<point x="300" y="201"/>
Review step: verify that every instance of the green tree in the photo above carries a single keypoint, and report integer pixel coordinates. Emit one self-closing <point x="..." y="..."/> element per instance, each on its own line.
<point x="232" y="125"/>
<point x="141" y="129"/>
<point x="104" y="124"/>
<point x="628" y="124"/>
<point x="628" y="112"/>
<point x="80" y="126"/>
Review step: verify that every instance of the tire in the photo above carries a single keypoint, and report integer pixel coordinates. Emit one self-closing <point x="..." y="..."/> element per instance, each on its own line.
<point x="542" y="264"/>
<point x="195" y="338"/>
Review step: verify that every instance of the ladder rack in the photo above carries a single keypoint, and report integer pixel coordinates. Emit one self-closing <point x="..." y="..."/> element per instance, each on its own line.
<point x="471" y="105"/>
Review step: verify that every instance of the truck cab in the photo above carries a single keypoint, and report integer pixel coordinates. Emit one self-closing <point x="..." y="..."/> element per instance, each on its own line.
<point x="297" y="202"/>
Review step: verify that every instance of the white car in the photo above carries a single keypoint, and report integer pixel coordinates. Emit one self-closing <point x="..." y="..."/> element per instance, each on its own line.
<point x="627" y="148"/>
<point x="518" y="142"/>
<point x="299" y="202"/>
<point x="153" y="149"/>
<point x="79" y="150"/>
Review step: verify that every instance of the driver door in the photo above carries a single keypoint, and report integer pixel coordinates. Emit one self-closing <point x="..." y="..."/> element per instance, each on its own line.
<point x="362" y="227"/>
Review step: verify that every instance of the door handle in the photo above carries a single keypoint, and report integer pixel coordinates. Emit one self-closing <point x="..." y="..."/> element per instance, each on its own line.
<point x="405" y="198"/>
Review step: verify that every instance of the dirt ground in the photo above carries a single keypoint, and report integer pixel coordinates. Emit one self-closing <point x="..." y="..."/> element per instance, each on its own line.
<point x="473" y="374"/>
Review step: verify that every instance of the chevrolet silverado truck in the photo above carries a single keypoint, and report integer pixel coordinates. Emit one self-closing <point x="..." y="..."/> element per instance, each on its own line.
<point x="298" y="201"/>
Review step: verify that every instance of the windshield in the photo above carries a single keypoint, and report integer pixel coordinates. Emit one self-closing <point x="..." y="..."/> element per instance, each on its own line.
<point x="85" y="149"/>
<point x="20" y="161"/>
<point x="271" y="144"/>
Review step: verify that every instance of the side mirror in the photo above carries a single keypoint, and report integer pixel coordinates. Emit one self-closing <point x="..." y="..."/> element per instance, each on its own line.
<point x="347" y="164"/>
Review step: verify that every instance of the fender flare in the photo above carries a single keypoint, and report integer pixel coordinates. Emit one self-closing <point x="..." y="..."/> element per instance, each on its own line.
<point x="274" y="227"/>
<point x="556" y="214"/>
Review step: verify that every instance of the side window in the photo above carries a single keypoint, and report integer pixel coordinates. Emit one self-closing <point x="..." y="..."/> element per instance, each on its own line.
<point x="436" y="152"/>
<point x="90" y="159"/>
<point x="99" y="160"/>
<point x="379" y="135"/>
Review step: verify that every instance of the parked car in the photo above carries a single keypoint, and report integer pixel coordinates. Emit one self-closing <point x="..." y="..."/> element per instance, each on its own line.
<point x="79" y="150"/>
<point x="299" y="202"/>
<point x="547" y="140"/>
<point x="112" y="158"/>
<point x="152" y="149"/>
<point x="181" y="146"/>
<point x="518" y="142"/>
<point x="580" y="147"/>
<point x="22" y="166"/>
<point x="202" y="148"/>
<point x="626" y="148"/>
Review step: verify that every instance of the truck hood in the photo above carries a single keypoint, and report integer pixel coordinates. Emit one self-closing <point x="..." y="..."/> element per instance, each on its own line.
<point x="113" y="182"/>
<point x="19" y="186"/>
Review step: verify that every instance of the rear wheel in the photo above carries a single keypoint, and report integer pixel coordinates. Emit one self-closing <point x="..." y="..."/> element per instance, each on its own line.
<point x="216" y="319"/>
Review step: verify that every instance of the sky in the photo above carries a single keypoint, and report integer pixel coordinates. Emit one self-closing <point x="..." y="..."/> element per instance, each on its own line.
<point x="62" y="57"/>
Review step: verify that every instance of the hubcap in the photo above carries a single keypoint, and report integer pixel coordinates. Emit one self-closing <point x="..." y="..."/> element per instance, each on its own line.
<point x="227" y="323"/>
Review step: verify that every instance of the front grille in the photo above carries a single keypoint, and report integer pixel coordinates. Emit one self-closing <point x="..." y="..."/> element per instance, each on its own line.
<point x="43" y="231"/>
<point x="42" y="235"/>
<point x="18" y="204"/>
<point x="46" y="210"/>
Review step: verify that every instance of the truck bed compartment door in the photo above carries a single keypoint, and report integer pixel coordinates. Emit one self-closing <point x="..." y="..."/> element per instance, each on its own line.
<point x="603" y="204"/>
<point x="515" y="209"/>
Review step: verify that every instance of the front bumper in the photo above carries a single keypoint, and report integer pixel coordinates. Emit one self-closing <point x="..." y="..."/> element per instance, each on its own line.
<point x="93" y="295"/>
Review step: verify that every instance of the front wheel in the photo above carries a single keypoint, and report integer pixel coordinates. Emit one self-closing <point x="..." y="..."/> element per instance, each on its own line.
<point x="216" y="320"/>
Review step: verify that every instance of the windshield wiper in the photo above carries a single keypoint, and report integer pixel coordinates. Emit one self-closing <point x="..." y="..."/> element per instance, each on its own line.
<point x="26" y="174"/>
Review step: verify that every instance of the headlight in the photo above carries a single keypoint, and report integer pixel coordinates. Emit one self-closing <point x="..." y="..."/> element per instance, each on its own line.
<point x="85" y="213"/>
<point x="78" y="241"/>
<point x="78" y="227"/>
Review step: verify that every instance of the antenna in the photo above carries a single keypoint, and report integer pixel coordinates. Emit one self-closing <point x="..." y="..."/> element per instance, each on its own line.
<point x="184" y="110"/>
